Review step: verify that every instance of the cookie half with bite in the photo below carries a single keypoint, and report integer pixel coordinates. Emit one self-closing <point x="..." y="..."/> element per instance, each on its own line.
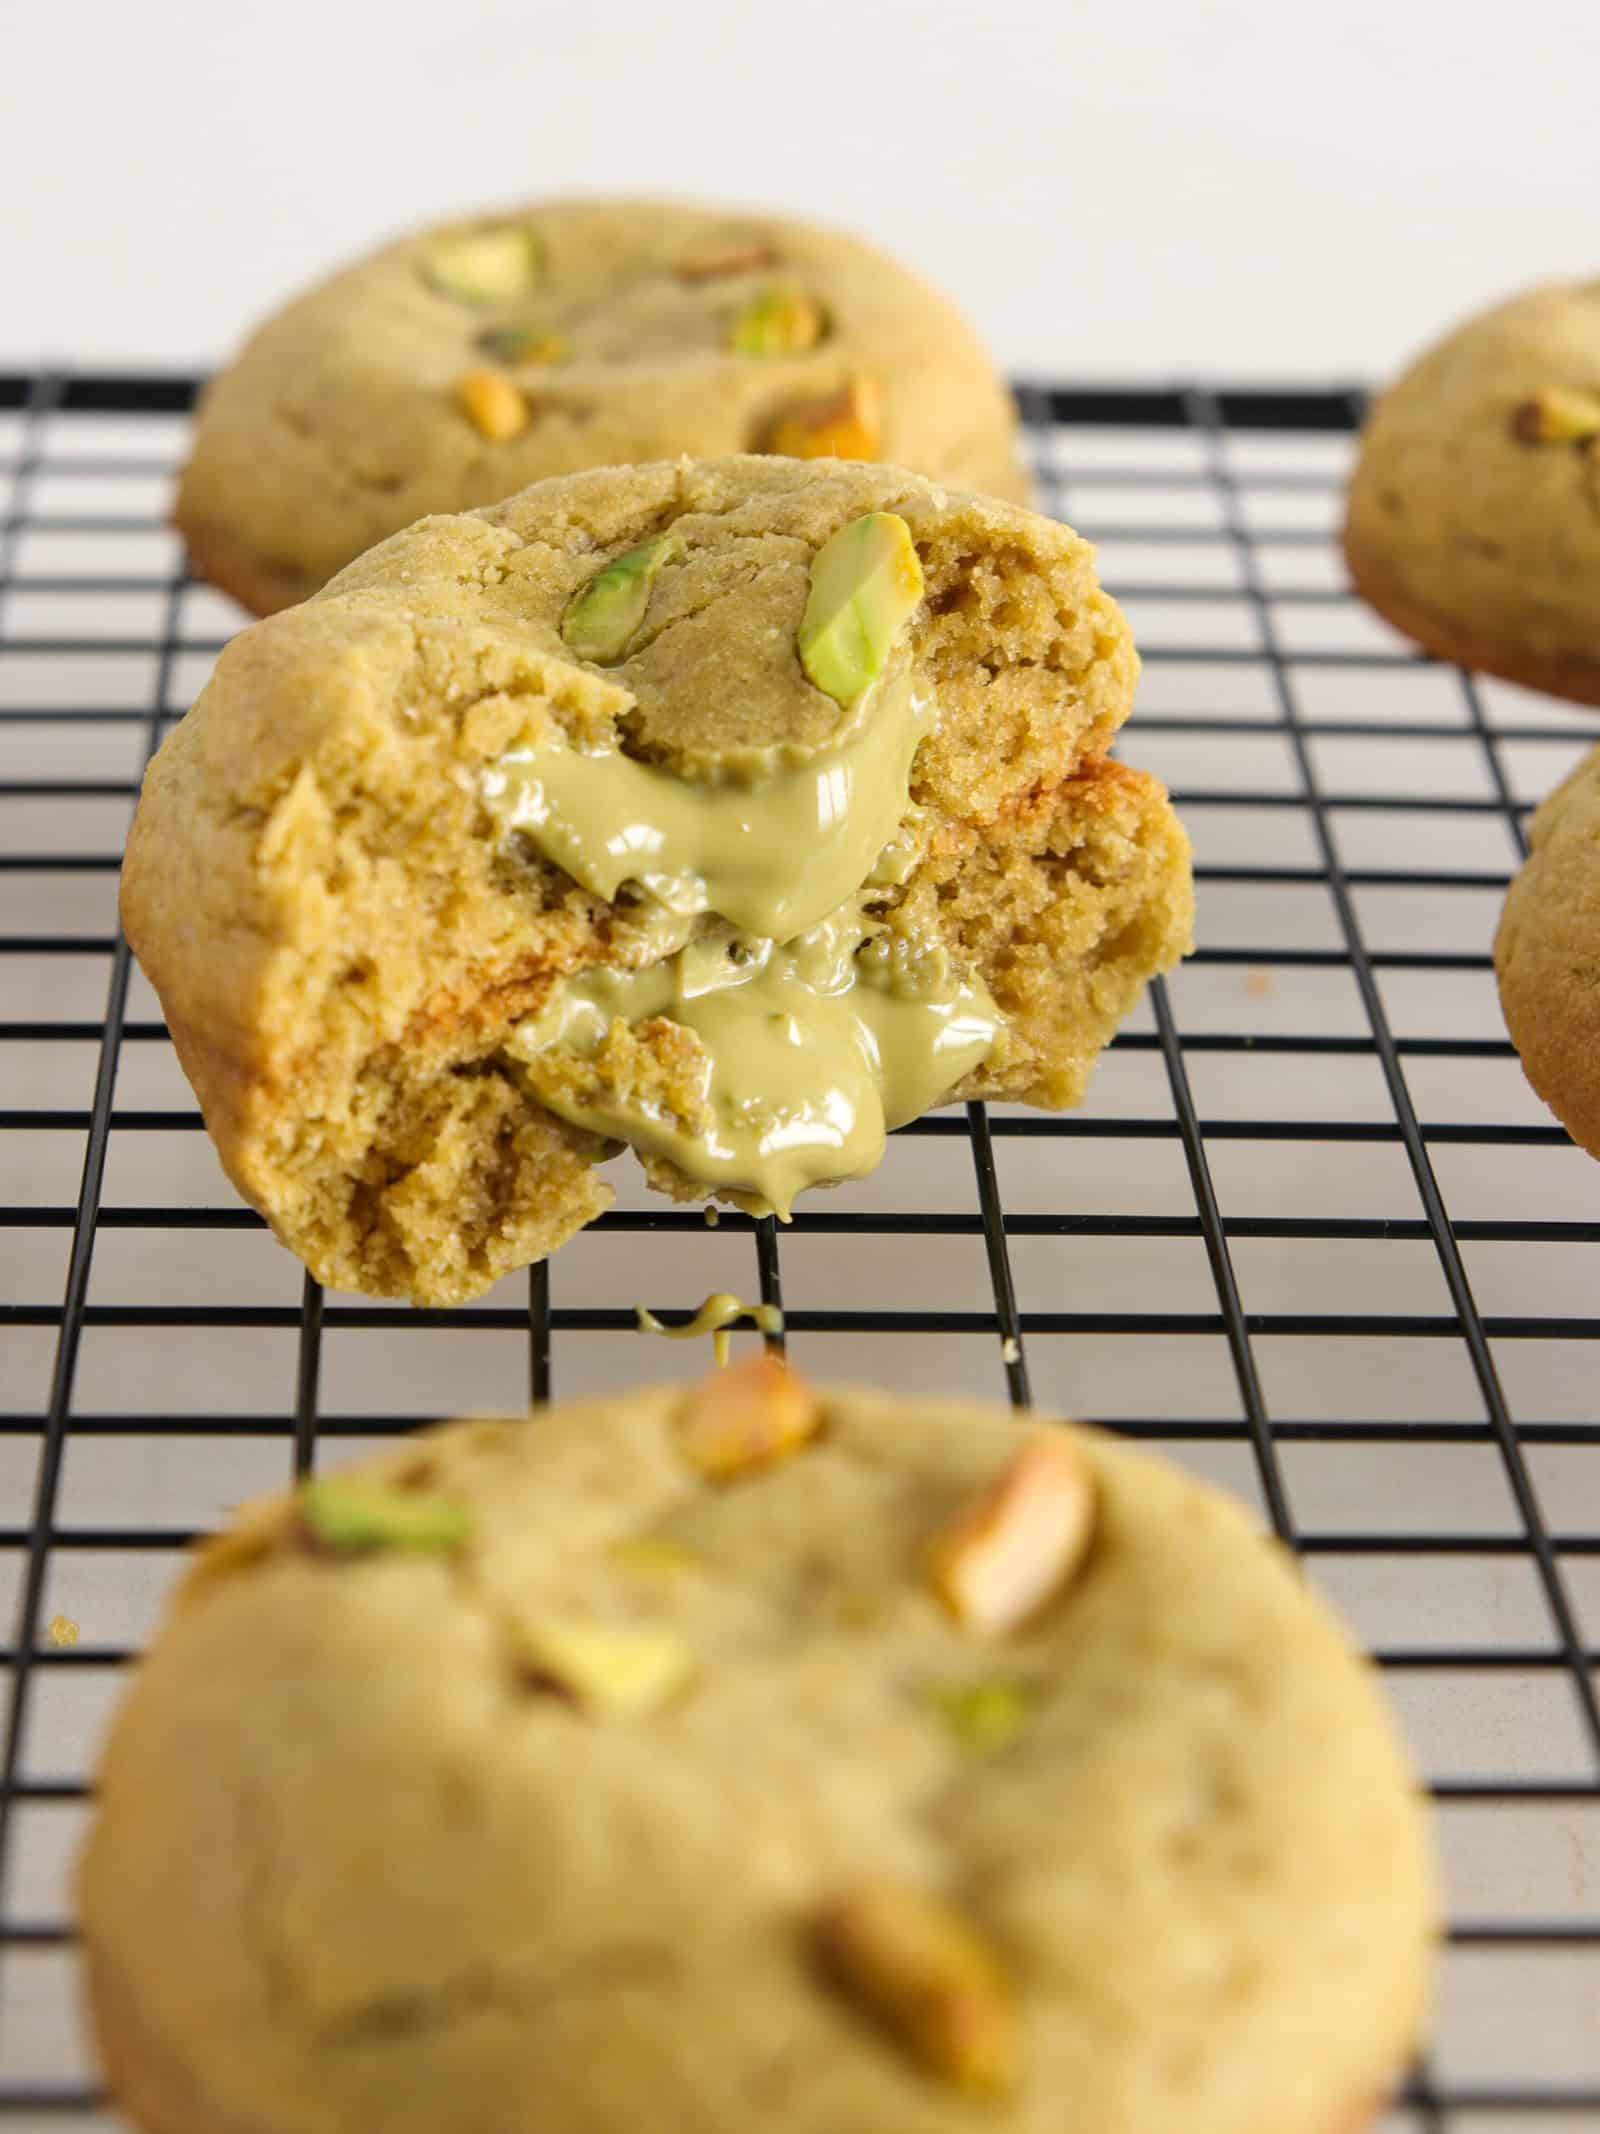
<point x="461" y="362"/>
<point x="738" y="811"/>
<point x="643" y="1763"/>
<point x="1547" y="954"/>
<point x="1473" y="521"/>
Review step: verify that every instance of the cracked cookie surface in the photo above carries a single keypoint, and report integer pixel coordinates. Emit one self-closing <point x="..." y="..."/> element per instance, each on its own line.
<point x="345" y="939"/>
<point x="358" y="1864"/>
<point x="462" y="362"/>
<point x="1547" y="954"/>
<point x="1472" y="525"/>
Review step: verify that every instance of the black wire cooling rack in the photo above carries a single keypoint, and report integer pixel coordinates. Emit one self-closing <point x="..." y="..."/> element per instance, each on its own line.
<point x="1312" y="1235"/>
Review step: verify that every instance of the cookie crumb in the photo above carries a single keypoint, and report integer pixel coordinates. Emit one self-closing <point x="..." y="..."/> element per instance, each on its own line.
<point x="63" y="1631"/>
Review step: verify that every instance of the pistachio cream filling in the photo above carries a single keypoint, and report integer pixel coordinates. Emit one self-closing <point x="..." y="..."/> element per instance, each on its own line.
<point x="819" y="1026"/>
<point x="773" y="853"/>
<point x="812" y="1050"/>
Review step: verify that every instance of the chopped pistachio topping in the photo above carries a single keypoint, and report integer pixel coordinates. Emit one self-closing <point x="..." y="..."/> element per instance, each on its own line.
<point x="847" y="424"/>
<point x="747" y="1417"/>
<point x="345" y="1513"/>
<point x="865" y="582"/>
<point x="522" y="344"/>
<point x="602" y="616"/>
<point x="496" y="407"/>
<point x="1019" y="1542"/>
<point x="983" y="1717"/>
<point x="923" y="1972"/>
<point x="623" y="1670"/>
<point x="484" y="267"/>
<point x="779" y="320"/>
<point x="1558" y="414"/>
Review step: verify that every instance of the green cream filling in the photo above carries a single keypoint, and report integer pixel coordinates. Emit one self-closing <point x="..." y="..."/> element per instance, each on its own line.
<point x="773" y="848"/>
<point x="821" y="1028"/>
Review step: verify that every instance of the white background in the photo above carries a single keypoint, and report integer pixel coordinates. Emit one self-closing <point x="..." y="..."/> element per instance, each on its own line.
<point x="1260" y="187"/>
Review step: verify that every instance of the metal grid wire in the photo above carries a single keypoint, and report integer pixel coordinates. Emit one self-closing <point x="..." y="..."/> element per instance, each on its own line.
<point x="1312" y="1235"/>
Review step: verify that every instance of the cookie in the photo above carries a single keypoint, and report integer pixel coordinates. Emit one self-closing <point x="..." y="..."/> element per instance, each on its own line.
<point x="1547" y="954"/>
<point x="463" y="362"/>
<point x="748" y="1757"/>
<point x="736" y="810"/>
<point x="1474" y="511"/>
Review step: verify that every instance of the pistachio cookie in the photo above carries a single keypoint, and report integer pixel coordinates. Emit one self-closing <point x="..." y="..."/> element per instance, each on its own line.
<point x="753" y="1757"/>
<point x="1547" y="954"/>
<point x="739" y="811"/>
<point x="1474" y="512"/>
<point x="463" y="362"/>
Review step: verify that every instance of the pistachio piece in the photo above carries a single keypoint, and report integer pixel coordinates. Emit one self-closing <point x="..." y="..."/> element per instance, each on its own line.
<point x="343" y="1513"/>
<point x="1558" y="415"/>
<point x="494" y="406"/>
<point x="847" y="424"/>
<point x="483" y="267"/>
<point x="603" y="615"/>
<point x="1018" y="1542"/>
<point x="865" y="581"/>
<point x="522" y="344"/>
<point x="928" y="1977"/>
<point x="621" y="1669"/>
<point x="983" y="1717"/>
<point x="724" y="252"/>
<point x="779" y="320"/>
<point x="751" y="1415"/>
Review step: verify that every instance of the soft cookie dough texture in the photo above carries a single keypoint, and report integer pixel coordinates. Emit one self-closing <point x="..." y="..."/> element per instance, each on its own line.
<point x="561" y="1826"/>
<point x="465" y="361"/>
<point x="1547" y="954"/>
<point x="349" y="945"/>
<point x="1474" y="512"/>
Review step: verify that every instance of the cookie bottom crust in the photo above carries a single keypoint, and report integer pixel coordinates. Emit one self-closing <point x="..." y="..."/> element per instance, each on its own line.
<point x="1577" y="680"/>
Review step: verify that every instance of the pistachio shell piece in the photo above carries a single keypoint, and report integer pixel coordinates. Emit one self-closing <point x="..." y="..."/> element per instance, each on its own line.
<point x="983" y="1717"/>
<point x="346" y="1514"/>
<point x="1020" y="1541"/>
<point x="522" y="344"/>
<point x="749" y="1416"/>
<point x="484" y="267"/>
<point x="1557" y="415"/>
<point x="602" y="616"/>
<point x="779" y="320"/>
<point x="928" y="1977"/>
<point x="847" y="424"/>
<point x="723" y="253"/>
<point x="495" y="406"/>
<point x="623" y="1670"/>
<point x="865" y="581"/>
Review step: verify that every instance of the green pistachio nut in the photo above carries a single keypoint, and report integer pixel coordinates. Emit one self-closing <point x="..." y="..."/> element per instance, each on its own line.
<point x="865" y="582"/>
<point x="522" y="344"/>
<point x="485" y="267"/>
<point x="779" y="320"/>
<point x="343" y="1513"/>
<point x="602" y="617"/>
<point x="623" y="1670"/>
<point x="982" y="1717"/>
